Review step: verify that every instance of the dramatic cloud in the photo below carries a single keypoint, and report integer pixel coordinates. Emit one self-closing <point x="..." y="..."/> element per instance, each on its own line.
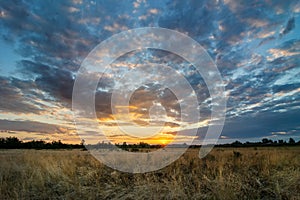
<point x="256" y="46"/>
<point x="13" y="99"/>
<point x="290" y="26"/>
<point x="31" y="126"/>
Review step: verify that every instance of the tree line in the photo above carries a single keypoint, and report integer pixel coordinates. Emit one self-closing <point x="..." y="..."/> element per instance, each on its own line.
<point x="263" y="142"/>
<point x="15" y="143"/>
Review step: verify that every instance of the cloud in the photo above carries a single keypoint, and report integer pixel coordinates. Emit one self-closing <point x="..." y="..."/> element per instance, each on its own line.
<point x="196" y="18"/>
<point x="279" y="133"/>
<point x="12" y="98"/>
<point x="253" y="44"/>
<point x="31" y="126"/>
<point x="289" y="26"/>
<point x="262" y="124"/>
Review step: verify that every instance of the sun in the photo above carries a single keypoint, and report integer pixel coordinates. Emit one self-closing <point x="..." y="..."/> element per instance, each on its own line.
<point x="164" y="141"/>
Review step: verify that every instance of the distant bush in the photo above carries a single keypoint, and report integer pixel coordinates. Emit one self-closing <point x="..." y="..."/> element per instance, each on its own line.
<point x="15" y="143"/>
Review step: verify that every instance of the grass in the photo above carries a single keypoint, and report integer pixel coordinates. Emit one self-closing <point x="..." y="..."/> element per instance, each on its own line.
<point x="226" y="173"/>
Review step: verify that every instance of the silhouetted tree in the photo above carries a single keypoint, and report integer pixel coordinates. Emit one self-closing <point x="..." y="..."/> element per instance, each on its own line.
<point x="266" y="141"/>
<point x="291" y="141"/>
<point x="12" y="143"/>
<point x="143" y="145"/>
<point x="236" y="144"/>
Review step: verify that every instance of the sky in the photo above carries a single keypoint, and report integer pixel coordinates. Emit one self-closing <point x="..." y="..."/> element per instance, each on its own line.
<point x="255" y="45"/>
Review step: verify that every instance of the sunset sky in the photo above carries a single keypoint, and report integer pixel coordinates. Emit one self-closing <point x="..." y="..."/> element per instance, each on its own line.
<point x="255" y="45"/>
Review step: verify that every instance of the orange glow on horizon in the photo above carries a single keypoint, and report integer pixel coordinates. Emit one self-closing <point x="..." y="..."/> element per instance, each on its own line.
<point x="159" y="139"/>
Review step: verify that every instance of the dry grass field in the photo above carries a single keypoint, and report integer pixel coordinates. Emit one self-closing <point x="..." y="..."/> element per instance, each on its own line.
<point x="226" y="173"/>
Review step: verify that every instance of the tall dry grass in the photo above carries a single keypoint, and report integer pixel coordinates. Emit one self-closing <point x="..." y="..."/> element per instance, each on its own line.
<point x="226" y="173"/>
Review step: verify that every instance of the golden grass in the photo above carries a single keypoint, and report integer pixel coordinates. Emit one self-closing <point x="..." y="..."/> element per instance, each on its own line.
<point x="226" y="173"/>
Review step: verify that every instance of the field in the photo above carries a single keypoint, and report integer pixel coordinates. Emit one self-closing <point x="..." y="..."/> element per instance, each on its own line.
<point x="226" y="173"/>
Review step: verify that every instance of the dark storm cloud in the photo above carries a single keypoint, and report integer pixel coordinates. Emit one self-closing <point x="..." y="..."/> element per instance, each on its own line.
<point x="285" y="88"/>
<point x="13" y="100"/>
<point x="31" y="126"/>
<point x="289" y="26"/>
<point x="263" y="124"/>
<point x="57" y="82"/>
